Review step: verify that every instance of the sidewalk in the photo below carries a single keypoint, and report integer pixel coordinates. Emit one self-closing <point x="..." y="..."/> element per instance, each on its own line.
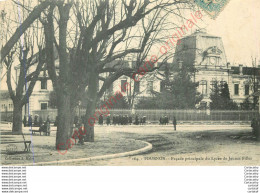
<point x="43" y="150"/>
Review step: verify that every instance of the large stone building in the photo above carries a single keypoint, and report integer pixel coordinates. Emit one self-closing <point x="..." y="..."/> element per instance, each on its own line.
<point x="207" y="54"/>
<point x="203" y="51"/>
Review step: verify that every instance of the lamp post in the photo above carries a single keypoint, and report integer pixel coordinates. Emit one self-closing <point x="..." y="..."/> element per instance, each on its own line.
<point x="2" y="18"/>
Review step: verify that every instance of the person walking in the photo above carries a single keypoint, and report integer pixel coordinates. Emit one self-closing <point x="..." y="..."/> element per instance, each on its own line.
<point x="174" y="123"/>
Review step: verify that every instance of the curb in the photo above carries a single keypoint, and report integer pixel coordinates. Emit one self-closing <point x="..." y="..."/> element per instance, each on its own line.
<point x="95" y="158"/>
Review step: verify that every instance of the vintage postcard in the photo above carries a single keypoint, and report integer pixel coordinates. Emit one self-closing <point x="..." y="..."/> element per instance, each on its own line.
<point x="130" y="83"/>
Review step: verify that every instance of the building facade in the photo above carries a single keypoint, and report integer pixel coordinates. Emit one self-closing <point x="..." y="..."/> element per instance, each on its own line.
<point x="207" y="54"/>
<point x="203" y="51"/>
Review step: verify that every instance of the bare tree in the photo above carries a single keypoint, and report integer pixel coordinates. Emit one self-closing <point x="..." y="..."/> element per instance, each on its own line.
<point x="103" y="31"/>
<point x="25" y="83"/>
<point x="23" y="58"/>
<point x="34" y="14"/>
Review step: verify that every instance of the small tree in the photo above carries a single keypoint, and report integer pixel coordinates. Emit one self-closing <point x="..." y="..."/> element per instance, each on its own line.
<point x="184" y="89"/>
<point x="220" y="98"/>
<point x="181" y="92"/>
<point x="246" y="104"/>
<point x="147" y="103"/>
<point x="120" y="104"/>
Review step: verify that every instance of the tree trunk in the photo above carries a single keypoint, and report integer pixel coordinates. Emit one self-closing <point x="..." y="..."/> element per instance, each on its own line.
<point x="90" y="119"/>
<point x="63" y="92"/>
<point x="64" y="121"/>
<point x="17" y="119"/>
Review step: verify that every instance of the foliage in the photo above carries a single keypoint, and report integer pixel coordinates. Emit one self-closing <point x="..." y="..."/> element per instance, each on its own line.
<point x="120" y="104"/>
<point x="180" y="93"/>
<point x="246" y="105"/>
<point x="220" y="98"/>
<point x="185" y="95"/>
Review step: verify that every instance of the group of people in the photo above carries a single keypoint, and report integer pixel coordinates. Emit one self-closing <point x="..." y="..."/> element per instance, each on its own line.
<point x="121" y="120"/>
<point x="124" y="120"/>
<point x="44" y="126"/>
<point x="36" y="122"/>
<point x="164" y="120"/>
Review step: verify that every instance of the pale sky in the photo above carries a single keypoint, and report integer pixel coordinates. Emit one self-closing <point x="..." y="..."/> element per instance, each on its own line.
<point x="239" y="26"/>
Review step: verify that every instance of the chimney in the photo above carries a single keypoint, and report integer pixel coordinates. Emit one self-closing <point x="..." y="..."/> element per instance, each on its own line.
<point x="240" y="69"/>
<point x="228" y="64"/>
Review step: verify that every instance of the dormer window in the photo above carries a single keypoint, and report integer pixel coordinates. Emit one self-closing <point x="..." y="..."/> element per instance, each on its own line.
<point x="213" y="55"/>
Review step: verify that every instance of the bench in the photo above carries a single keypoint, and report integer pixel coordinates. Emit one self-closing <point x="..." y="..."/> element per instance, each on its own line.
<point x="27" y="144"/>
<point x="43" y="128"/>
<point x="36" y="131"/>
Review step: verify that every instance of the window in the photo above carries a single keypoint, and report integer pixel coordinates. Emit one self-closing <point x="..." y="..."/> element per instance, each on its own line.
<point x="123" y="84"/>
<point x="150" y="86"/>
<point x="137" y="86"/>
<point x="213" y="83"/>
<point x="44" y="84"/>
<point x="111" y="88"/>
<point x="247" y="89"/>
<point x="203" y="84"/>
<point x="236" y="89"/>
<point x="44" y="106"/>
<point x="162" y="86"/>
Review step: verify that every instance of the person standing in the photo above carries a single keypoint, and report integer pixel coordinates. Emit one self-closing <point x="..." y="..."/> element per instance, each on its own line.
<point x="174" y="123"/>
<point x="48" y="119"/>
<point x="24" y="120"/>
<point x="108" y="120"/>
<point x="100" y="120"/>
<point x="114" y="119"/>
<point x="35" y="122"/>
<point x="40" y="121"/>
<point x="30" y="121"/>
<point x="130" y="119"/>
<point x="136" y="120"/>
<point x="161" y="120"/>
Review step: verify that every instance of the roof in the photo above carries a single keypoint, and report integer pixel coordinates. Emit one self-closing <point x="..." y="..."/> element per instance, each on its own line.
<point x="195" y="48"/>
<point x="201" y="33"/>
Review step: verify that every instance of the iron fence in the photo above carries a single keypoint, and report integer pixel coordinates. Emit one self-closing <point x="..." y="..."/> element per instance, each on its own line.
<point x="153" y="115"/>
